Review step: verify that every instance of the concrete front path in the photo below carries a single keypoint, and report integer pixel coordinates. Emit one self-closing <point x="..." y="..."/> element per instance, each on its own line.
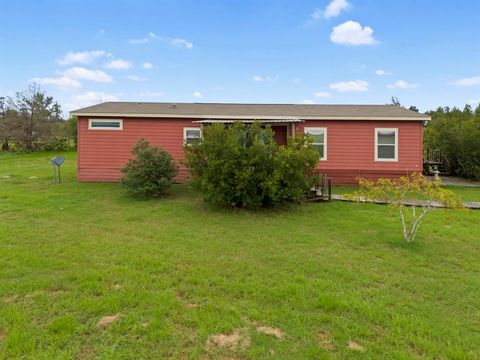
<point x="475" y="205"/>
<point x="457" y="181"/>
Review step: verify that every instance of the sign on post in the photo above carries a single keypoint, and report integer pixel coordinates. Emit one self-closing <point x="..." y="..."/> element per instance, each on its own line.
<point x="56" y="163"/>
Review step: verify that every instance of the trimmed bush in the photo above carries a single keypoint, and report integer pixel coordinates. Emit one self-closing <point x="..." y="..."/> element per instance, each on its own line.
<point x="242" y="166"/>
<point x="151" y="173"/>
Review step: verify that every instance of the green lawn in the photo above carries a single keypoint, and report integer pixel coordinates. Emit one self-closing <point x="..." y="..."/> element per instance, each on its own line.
<point x="178" y="272"/>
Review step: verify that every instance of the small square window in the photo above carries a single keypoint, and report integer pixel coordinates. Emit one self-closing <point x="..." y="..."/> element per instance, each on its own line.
<point x="191" y="135"/>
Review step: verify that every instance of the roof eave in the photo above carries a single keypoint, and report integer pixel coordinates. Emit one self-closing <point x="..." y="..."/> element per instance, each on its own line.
<point x="253" y="117"/>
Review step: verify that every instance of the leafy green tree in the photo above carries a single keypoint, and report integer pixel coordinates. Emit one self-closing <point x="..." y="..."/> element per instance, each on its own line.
<point x="36" y="116"/>
<point x="71" y="129"/>
<point x="457" y="134"/>
<point x="242" y="166"/>
<point x="151" y="173"/>
<point x="4" y="125"/>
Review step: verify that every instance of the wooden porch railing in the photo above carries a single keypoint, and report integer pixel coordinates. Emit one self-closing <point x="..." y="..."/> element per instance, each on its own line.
<point x="434" y="158"/>
<point x="322" y="190"/>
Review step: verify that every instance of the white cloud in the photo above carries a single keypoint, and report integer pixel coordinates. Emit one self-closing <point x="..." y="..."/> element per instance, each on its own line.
<point x="297" y="80"/>
<point x="177" y="42"/>
<point x="333" y="9"/>
<point x="322" y="94"/>
<point x="144" y="40"/>
<point x="197" y="94"/>
<point x="139" y="41"/>
<point x="81" y="57"/>
<point x="317" y="14"/>
<point x="352" y="33"/>
<point x="353" y="85"/>
<point x="473" y="102"/>
<point x="62" y="82"/>
<point x="119" y="64"/>
<point x="381" y="72"/>
<point x="401" y="84"/>
<point x="91" y="98"/>
<point x="150" y="94"/>
<point x="135" y="78"/>
<point x="100" y="32"/>
<point x="181" y="43"/>
<point x="268" y="78"/>
<point x="147" y="65"/>
<point x="86" y="74"/>
<point x="308" y="102"/>
<point x="471" y="81"/>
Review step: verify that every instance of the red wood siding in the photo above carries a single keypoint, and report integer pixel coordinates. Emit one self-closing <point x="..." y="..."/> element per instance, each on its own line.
<point x="102" y="153"/>
<point x="351" y="149"/>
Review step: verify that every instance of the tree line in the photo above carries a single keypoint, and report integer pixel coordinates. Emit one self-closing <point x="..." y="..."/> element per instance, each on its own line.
<point x="31" y="120"/>
<point x="456" y="133"/>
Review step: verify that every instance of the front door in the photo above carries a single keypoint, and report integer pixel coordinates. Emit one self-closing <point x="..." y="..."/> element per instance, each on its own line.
<point x="280" y="134"/>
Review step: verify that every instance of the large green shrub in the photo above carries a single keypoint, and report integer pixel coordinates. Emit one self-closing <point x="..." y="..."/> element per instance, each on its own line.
<point x="152" y="171"/>
<point x="55" y="143"/>
<point x="242" y="166"/>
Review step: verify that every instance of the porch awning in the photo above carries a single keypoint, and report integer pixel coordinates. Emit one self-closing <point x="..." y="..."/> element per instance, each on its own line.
<point x="250" y="121"/>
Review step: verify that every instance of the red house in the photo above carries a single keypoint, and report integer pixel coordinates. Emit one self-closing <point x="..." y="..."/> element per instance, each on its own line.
<point x="369" y="141"/>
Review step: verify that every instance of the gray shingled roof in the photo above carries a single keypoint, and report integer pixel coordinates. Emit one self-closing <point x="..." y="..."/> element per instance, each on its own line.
<point x="249" y="111"/>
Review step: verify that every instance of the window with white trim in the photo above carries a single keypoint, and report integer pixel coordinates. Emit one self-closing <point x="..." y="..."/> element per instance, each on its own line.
<point x="319" y="137"/>
<point x="105" y="124"/>
<point x="386" y="144"/>
<point x="191" y="135"/>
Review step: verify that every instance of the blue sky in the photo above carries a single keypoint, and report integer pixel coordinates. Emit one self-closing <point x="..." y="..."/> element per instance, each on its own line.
<point x="425" y="52"/>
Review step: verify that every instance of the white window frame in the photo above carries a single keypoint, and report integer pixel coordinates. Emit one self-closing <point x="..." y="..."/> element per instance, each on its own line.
<point x="189" y="129"/>
<point x="377" y="131"/>
<point x="119" y="121"/>
<point x="324" y="129"/>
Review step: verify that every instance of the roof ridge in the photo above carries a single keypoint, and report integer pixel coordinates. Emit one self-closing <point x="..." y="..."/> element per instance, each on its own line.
<point x="232" y="103"/>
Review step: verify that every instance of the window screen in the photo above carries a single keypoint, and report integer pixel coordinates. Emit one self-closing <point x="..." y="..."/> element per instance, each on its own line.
<point x="192" y="135"/>
<point x="318" y="136"/>
<point x="386" y="144"/>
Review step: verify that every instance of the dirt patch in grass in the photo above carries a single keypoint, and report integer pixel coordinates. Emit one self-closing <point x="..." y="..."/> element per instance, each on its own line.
<point x="355" y="346"/>
<point x="18" y="298"/>
<point x="279" y="334"/>
<point x="2" y="334"/>
<point x="181" y="296"/>
<point x="107" y="320"/>
<point x="325" y="341"/>
<point x="234" y="341"/>
<point x="414" y="350"/>
<point x="85" y="353"/>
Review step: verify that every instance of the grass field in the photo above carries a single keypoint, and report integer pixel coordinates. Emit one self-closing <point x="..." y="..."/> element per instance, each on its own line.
<point x="320" y="280"/>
